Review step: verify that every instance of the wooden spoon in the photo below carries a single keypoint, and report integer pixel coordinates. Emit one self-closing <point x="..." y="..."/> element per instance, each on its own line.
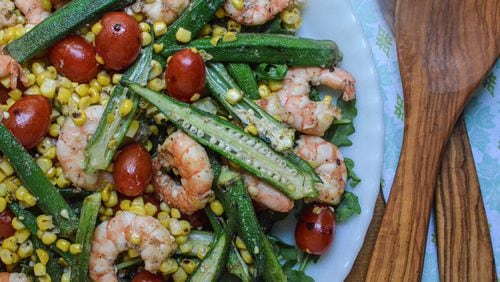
<point x="445" y="48"/>
<point x="463" y="239"/>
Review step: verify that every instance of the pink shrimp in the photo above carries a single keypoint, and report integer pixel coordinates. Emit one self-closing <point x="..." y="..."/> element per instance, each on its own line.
<point x="32" y="10"/>
<point x="9" y="67"/>
<point x="255" y="12"/>
<point x="267" y="195"/>
<point x="117" y="235"/>
<point x="14" y="277"/>
<point x="297" y="110"/>
<point x="329" y="164"/>
<point x="190" y="159"/>
<point x="7" y="16"/>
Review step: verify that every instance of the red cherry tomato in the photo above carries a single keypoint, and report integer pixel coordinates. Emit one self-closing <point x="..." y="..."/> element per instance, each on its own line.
<point x="74" y="58"/>
<point x="146" y="276"/>
<point x="315" y="229"/>
<point x="119" y="42"/>
<point x="185" y="75"/>
<point x="29" y="120"/>
<point x="6" y="229"/>
<point x="132" y="170"/>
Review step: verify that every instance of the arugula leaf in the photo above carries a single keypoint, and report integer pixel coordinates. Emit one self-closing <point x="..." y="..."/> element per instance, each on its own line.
<point x="348" y="207"/>
<point x="270" y="72"/>
<point x="355" y="180"/>
<point x="293" y="275"/>
<point x="338" y="134"/>
<point x="314" y="95"/>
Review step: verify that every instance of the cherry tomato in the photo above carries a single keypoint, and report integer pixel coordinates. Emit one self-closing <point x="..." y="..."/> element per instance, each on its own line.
<point x="29" y="120"/>
<point x="132" y="170"/>
<point x="74" y="58"/>
<point x="315" y="229"/>
<point x="146" y="276"/>
<point x="185" y="75"/>
<point x="119" y="42"/>
<point x="6" y="229"/>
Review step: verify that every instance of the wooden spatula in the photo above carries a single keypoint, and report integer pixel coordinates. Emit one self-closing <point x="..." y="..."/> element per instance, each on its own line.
<point x="438" y="79"/>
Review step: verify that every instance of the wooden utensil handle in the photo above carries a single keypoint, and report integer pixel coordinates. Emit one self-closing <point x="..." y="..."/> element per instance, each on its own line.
<point x="405" y="223"/>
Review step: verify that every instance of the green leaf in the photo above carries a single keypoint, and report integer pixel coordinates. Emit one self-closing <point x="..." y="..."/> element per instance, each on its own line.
<point x="338" y="134"/>
<point x="270" y="72"/>
<point x="355" y="180"/>
<point x="297" y="276"/>
<point x="348" y="207"/>
<point x="314" y="95"/>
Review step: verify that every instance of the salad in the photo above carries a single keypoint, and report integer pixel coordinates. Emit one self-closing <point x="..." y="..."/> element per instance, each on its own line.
<point x="157" y="140"/>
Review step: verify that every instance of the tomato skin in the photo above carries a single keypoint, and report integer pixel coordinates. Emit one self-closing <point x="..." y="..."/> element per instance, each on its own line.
<point x="315" y="229"/>
<point x="185" y="75"/>
<point x="29" y="120"/>
<point x="6" y="229"/>
<point x="132" y="170"/>
<point x="146" y="276"/>
<point x="74" y="58"/>
<point x="119" y="42"/>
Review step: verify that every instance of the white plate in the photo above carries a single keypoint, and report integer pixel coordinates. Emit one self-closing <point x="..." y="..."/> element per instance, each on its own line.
<point x="335" y="20"/>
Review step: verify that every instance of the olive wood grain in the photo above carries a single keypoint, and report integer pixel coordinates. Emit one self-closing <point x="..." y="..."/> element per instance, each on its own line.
<point x="445" y="48"/>
<point x="463" y="237"/>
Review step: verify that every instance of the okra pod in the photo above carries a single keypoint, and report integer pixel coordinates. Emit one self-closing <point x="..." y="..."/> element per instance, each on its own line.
<point x="243" y="75"/>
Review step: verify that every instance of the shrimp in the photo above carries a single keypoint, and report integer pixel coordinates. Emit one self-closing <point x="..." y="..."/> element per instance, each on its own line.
<point x="9" y="67"/>
<point x="331" y="167"/>
<point x="70" y="150"/>
<point x="161" y="10"/>
<point x="267" y="195"/>
<point x="32" y="10"/>
<point x="118" y="234"/>
<point x="307" y="116"/>
<point x="255" y="12"/>
<point x="190" y="159"/>
<point x="7" y="16"/>
<point x="14" y="277"/>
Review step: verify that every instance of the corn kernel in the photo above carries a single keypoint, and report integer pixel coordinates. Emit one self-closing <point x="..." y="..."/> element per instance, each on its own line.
<point x="82" y="89"/>
<point x="6" y="256"/>
<point x="48" y="238"/>
<point x="63" y="245"/>
<point x="160" y="118"/>
<point x="156" y="69"/>
<point x="202" y="252"/>
<point x="215" y="40"/>
<point x="146" y="38"/>
<point x="16" y="94"/>
<point x="39" y="269"/>
<point x="28" y="201"/>
<point x="175" y="213"/>
<point x="62" y="182"/>
<point x="10" y="244"/>
<point x="43" y="256"/>
<point x="44" y="164"/>
<point x="17" y="224"/>
<point x="233" y="96"/>
<point x="138" y="17"/>
<point x="174" y="227"/>
<point x="145" y="27"/>
<point x="216" y="207"/>
<point x="157" y="84"/>
<point x="94" y="96"/>
<point x="327" y="100"/>
<point x="135" y="239"/>
<point x="3" y="204"/>
<point x="48" y="88"/>
<point x="180" y="275"/>
<point x="185" y="247"/>
<point x="125" y="107"/>
<point x="133" y="253"/>
<point x="6" y="167"/>
<point x="206" y="30"/>
<point x="233" y="26"/>
<point x="251" y="129"/>
<point x="113" y="200"/>
<point x="125" y="205"/>
<point x="44" y="222"/>
<point x="164" y="207"/>
<point x="116" y="78"/>
<point x="247" y="257"/>
<point x="219" y="31"/>
<point x="51" y="152"/>
<point x="89" y="37"/>
<point x="158" y="47"/>
<point x="21" y="192"/>
<point x="229" y="37"/>
<point x="238" y="4"/>
<point x="30" y="80"/>
<point x="183" y="35"/>
<point x="138" y="201"/>
<point x="25" y="250"/>
<point x="108" y="212"/>
<point x="75" y="249"/>
<point x="264" y="91"/>
<point x="275" y="85"/>
<point x="189" y="266"/>
<point x="79" y="117"/>
<point x="159" y="28"/>
<point x="22" y="235"/>
<point x="179" y="240"/>
<point x="63" y="95"/>
<point x="220" y="13"/>
<point x="45" y="278"/>
<point x="169" y="266"/>
<point x="66" y="277"/>
<point x="150" y="209"/>
<point x="96" y="28"/>
<point x="139" y="210"/>
<point x="99" y="59"/>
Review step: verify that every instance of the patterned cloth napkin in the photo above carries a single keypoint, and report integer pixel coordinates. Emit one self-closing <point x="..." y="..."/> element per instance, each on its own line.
<point x="482" y="117"/>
